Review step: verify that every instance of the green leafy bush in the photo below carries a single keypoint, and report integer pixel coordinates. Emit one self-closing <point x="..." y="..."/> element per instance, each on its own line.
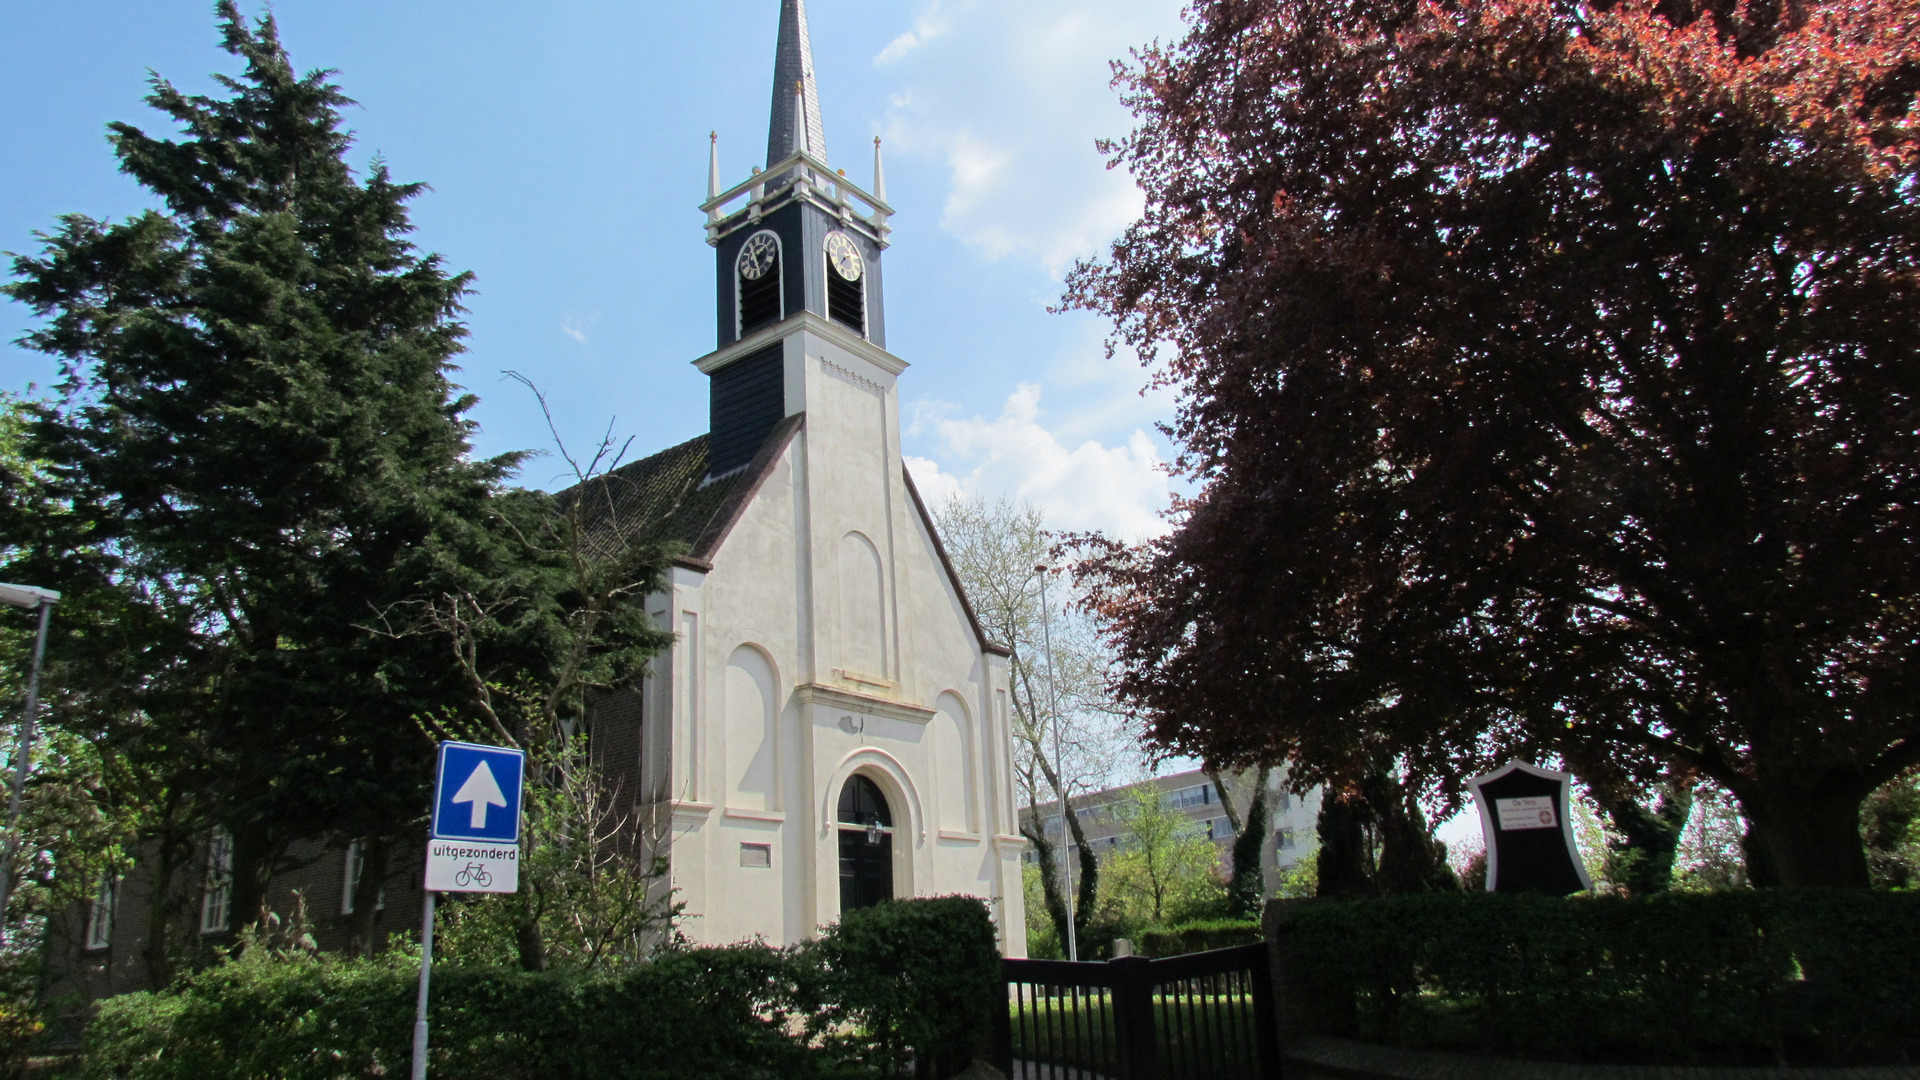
<point x="907" y="979"/>
<point x="1198" y="936"/>
<point x="914" y="976"/>
<point x="1806" y="975"/>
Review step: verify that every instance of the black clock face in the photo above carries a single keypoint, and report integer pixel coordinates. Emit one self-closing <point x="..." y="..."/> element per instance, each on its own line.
<point x="758" y="255"/>
<point x="843" y="256"/>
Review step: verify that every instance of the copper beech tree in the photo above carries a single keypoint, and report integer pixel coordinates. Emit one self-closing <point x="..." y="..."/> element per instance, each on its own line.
<point x="1549" y="377"/>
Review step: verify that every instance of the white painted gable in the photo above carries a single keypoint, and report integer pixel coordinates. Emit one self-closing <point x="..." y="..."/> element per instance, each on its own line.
<point x="823" y="636"/>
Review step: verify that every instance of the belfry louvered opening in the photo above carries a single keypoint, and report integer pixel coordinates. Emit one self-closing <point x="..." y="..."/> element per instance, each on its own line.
<point x="847" y="302"/>
<point x="759" y="297"/>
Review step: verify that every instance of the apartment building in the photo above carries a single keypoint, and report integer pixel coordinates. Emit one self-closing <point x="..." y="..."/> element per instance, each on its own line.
<point x="1291" y="817"/>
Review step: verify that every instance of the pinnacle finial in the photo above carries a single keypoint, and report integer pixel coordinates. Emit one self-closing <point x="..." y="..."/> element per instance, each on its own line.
<point x="713" y="165"/>
<point x="796" y="96"/>
<point x="879" y="174"/>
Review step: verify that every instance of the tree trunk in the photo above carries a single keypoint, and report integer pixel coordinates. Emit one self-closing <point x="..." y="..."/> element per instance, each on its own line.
<point x="157" y="950"/>
<point x="531" y="945"/>
<point x="1087" y="889"/>
<point x="1345" y="859"/>
<point x="1248" y="888"/>
<point x="1374" y="841"/>
<point x="1806" y="836"/>
<point x="252" y="871"/>
<point x="1043" y="854"/>
<point x="375" y="855"/>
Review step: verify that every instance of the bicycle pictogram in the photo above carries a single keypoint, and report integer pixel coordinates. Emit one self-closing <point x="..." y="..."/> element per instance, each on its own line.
<point x="474" y="874"/>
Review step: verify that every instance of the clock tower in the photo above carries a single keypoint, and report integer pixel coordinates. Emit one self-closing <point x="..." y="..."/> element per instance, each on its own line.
<point x="829" y="727"/>
<point x="796" y="238"/>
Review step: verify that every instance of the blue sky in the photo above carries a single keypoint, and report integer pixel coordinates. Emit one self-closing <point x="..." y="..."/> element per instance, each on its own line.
<point x="566" y="145"/>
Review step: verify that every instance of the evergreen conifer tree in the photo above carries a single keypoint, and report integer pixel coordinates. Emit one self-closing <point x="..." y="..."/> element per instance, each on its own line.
<point x="260" y="426"/>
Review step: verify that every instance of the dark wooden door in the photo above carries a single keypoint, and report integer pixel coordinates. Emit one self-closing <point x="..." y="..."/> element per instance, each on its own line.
<point x="866" y="845"/>
<point x="866" y="869"/>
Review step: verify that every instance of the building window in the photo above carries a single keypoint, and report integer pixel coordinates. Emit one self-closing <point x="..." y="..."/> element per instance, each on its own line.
<point x="1191" y="796"/>
<point x="216" y="903"/>
<point x="100" y="917"/>
<point x="356" y="864"/>
<point x="1283" y="839"/>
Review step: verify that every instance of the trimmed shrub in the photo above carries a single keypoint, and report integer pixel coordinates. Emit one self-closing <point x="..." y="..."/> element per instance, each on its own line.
<point x="1198" y="936"/>
<point x="914" y="976"/>
<point x="910" y="979"/>
<point x="733" y="1012"/>
<point x="1804" y="975"/>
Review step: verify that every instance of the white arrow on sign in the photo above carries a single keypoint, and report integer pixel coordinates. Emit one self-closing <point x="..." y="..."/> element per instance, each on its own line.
<point x="479" y="792"/>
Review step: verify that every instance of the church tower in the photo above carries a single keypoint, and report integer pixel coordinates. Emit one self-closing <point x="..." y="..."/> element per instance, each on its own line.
<point x="830" y="726"/>
<point x="796" y="237"/>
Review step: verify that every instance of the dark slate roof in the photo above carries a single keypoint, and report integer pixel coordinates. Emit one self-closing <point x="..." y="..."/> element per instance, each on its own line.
<point x="668" y="499"/>
<point x="789" y="133"/>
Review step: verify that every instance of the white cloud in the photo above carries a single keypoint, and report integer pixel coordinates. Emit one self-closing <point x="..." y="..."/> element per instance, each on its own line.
<point x="927" y="27"/>
<point x="1118" y="490"/>
<point x="575" y="326"/>
<point x="1011" y="95"/>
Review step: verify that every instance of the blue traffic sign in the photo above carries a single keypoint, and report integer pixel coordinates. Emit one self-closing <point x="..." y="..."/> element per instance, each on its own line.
<point x="476" y="793"/>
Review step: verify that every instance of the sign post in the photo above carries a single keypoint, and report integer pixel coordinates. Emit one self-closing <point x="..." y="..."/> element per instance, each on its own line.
<point x="1524" y="813"/>
<point x="474" y="846"/>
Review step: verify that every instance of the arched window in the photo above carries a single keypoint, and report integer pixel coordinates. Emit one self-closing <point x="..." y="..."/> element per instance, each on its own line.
<point x="866" y="844"/>
<point x="757" y="282"/>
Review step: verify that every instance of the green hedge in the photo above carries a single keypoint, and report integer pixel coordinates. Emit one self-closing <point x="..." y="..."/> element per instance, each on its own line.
<point x="1199" y="936"/>
<point x="895" y="981"/>
<point x="1751" y="976"/>
<point x="920" y="977"/>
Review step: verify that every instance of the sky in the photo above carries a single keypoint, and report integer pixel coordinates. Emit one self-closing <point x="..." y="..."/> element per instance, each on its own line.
<point x="566" y="147"/>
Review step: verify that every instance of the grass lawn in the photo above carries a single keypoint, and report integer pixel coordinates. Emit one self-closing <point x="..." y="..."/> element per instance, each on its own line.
<point x="1198" y="1035"/>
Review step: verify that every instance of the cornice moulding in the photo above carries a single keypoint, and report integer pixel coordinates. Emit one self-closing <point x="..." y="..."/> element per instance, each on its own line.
<point x="836" y="697"/>
<point x="808" y="322"/>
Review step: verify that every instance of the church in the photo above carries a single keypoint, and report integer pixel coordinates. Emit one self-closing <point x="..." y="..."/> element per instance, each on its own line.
<point x="829" y="728"/>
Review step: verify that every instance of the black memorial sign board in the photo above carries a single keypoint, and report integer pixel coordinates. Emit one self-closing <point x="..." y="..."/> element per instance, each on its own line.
<point x="1523" y="810"/>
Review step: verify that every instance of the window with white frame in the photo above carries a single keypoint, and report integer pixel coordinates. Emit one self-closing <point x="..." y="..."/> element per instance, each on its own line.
<point x="356" y="864"/>
<point x="216" y="903"/>
<point x="100" y="918"/>
<point x="1180" y="799"/>
<point x="1283" y="839"/>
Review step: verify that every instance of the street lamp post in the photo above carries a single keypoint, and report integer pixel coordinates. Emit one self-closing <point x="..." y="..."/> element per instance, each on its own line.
<point x="1060" y="767"/>
<point x="26" y="596"/>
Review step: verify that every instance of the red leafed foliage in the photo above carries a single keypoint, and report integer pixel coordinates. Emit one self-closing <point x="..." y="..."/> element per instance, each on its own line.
<point x="1550" y="378"/>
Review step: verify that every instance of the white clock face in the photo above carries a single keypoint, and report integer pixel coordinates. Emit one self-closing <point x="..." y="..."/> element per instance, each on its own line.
<point x="758" y="255"/>
<point x="843" y="256"/>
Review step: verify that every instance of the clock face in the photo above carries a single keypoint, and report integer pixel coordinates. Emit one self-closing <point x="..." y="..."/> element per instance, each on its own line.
<point x="843" y="256"/>
<point x="758" y="255"/>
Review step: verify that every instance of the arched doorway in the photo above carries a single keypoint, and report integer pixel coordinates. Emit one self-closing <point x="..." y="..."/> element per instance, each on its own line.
<point x="866" y="844"/>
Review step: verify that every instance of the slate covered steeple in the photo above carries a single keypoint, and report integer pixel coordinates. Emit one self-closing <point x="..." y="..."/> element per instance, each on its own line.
<point x="798" y="248"/>
<point x="796" y="99"/>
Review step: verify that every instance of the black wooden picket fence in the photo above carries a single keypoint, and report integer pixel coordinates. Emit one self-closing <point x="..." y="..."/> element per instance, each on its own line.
<point x="1203" y="1016"/>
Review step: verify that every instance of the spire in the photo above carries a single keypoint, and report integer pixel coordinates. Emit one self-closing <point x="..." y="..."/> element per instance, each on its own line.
<point x="792" y="131"/>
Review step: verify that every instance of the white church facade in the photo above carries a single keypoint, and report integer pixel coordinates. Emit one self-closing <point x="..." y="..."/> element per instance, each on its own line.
<point x="830" y="726"/>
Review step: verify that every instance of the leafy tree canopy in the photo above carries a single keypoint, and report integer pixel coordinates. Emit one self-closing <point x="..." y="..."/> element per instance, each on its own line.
<point x="263" y="463"/>
<point x="1549" y="377"/>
